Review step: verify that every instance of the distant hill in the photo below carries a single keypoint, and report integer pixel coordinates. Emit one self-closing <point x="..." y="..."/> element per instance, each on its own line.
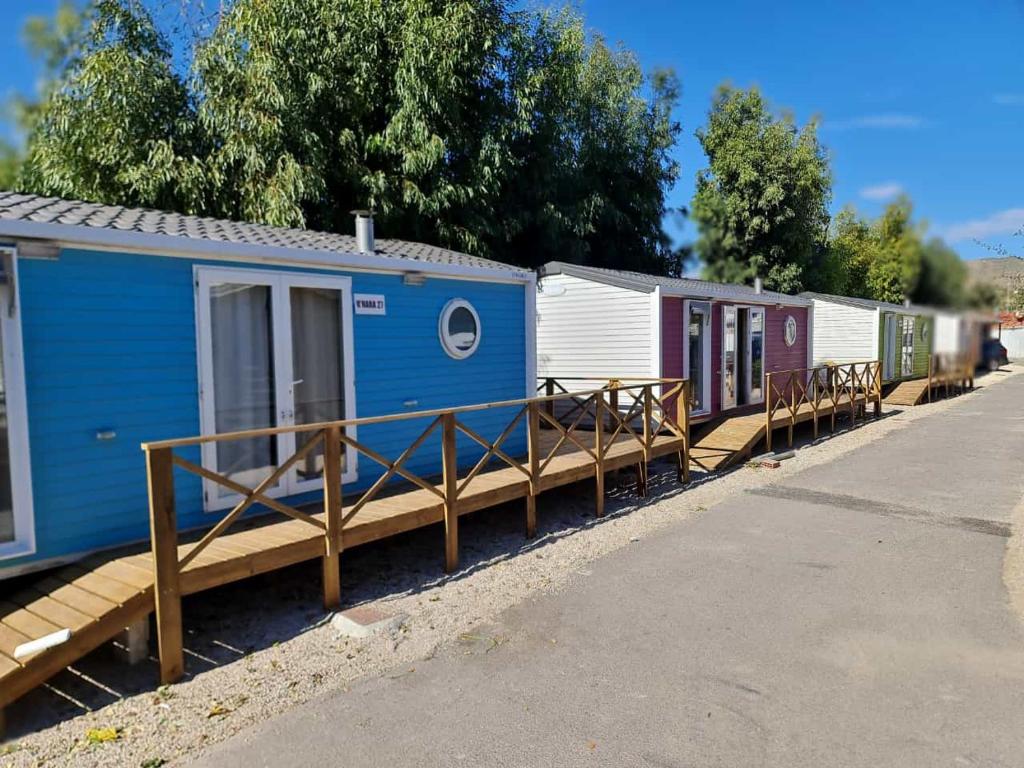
<point x="1006" y="273"/>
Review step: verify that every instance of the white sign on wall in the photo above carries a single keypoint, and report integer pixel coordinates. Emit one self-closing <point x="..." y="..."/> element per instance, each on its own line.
<point x="369" y="304"/>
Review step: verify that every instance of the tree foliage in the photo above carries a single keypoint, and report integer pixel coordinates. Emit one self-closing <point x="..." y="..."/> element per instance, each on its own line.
<point x="761" y="205"/>
<point x="507" y="133"/>
<point x="52" y="42"/>
<point x="888" y="259"/>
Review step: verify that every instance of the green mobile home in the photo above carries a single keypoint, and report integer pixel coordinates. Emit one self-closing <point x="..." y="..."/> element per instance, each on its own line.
<point x="847" y="330"/>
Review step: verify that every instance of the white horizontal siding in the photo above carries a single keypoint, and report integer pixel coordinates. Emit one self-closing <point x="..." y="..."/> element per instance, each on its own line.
<point x="593" y="329"/>
<point x="1013" y="340"/>
<point x="843" y="334"/>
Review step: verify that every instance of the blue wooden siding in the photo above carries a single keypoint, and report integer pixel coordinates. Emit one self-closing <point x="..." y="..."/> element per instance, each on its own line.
<point x="110" y="344"/>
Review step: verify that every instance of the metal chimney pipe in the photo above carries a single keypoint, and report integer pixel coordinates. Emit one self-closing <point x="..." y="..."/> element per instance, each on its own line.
<point x="364" y="231"/>
<point x="758" y="285"/>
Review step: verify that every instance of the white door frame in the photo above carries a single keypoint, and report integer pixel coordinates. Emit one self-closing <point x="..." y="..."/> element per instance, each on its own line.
<point x="889" y="346"/>
<point x="279" y="283"/>
<point x="726" y="308"/>
<point x="24" y="542"/>
<point x="752" y="310"/>
<point x="705" y="383"/>
<point x="746" y="346"/>
<point x="907" y="370"/>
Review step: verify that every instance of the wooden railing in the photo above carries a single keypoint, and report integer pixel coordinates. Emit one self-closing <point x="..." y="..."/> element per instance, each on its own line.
<point x="820" y="391"/>
<point x="951" y="371"/>
<point x="592" y="425"/>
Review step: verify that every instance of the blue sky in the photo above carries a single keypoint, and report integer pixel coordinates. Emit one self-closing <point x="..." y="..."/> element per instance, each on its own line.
<point x="921" y="97"/>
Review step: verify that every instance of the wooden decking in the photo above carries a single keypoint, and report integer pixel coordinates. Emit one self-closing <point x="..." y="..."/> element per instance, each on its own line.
<point x="98" y="598"/>
<point x="733" y="439"/>
<point x="947" y="375"/>
<point x="600" y="431"/>
<point x="909" y="392"/>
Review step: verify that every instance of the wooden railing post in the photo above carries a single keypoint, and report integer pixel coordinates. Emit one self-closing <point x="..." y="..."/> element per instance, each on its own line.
<point x="877" y="388"/>
<point x="613" y="402"/>
<point x="332" y="518"/>
<point x="814" y="400"/>
<point x="163" y="531"/>
<point x="549" y="391"/>
<point x="792" y="408"/>
<point x="833" y="379"/>
<point x="648" y="415"/>
<point x="534" y="450"/>
<point x="768" y="403"/>
<point x="853" y="395"/>
<point x="683" y="422"/>
<point x="451" y="513"/>
<point x="599" y="453"/>
<point x="931" y="372"/>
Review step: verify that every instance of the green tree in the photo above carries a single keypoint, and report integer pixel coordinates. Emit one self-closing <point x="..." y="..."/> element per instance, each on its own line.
<point x="896" y="266"/>
<point x="943" y="277"/>
<point x="52" y="42"/>
<point x="117" y="120"/>
<point x="761" y="205"/>
<point x="887" y="259"/>
<point x="593" y="165"/>
<point x="473" y="125"/>
<point x="851" y="249"/>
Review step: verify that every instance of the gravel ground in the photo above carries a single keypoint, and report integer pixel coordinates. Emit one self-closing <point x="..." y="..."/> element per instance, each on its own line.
<point x="250" y="659"/>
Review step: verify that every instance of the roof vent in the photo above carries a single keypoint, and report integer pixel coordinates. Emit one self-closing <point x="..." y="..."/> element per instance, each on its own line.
<point x="364" y="231"/>
<point x="758" y="285"/>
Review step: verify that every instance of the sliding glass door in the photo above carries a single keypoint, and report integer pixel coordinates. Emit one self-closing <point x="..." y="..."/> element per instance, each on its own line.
<point x="729" y="362"/>
<point x="17" y="526"/>
<point x="755" y="356"/>
<point x="698" y="354"/>
<point x="318" y="368"/>
<point x="275" y="350"/>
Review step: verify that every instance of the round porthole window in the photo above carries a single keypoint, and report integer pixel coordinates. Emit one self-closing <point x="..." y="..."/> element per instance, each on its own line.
<point x="789" y="331"/>
<point x="459" y="329"/>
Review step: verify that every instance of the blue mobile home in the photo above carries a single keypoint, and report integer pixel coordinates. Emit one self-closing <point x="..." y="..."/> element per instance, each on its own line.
<point x="122" y="325"/>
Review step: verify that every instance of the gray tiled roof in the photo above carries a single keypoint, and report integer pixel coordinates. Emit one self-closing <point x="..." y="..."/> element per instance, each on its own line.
<point x="677" y="285"/>
<point x="852" y="301"/>
<point x="17" y="207"/>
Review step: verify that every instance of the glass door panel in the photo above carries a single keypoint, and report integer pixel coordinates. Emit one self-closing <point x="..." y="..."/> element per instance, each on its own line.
<point x="729" y="357"/>
<point x="889" y="356"/>
<point x="7" y="534"/>
<point x="244" y="385"/>
<point x="908" y="346"/>
<point x="755" y="345"/>
<point x="318" y="372"/>
<point x="696" y="345"/>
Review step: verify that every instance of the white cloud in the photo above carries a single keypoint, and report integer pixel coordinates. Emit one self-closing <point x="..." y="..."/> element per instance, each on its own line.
<point x="1008" y="222"/>
<point x="884" y="191"/>
<point x="888" y="120"/>
<point x="1008" y="99"/>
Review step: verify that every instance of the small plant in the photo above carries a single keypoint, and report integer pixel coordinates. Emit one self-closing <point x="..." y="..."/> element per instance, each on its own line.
<point x="102" y="735"/>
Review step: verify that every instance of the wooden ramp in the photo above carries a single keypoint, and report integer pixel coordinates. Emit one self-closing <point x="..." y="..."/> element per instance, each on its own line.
<point x="909" y="392"/>
<point x="734" y="439"/>
<point x="728" y="442"/>
<point x="98" y="598"/>
<point x="792" y="397"/>
<point x="947" y="375"/>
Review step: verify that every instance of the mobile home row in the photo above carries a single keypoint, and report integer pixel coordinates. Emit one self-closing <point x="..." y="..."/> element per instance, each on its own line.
<point x="120" y="326"/>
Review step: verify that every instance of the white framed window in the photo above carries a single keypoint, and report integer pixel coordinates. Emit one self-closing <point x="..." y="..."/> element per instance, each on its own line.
<point x="697" y="354"/>
<point x="789" y="331"/>
<point x="17" y="522"/>
<point x="459" y="329"/>
<point x="275" y="350"/>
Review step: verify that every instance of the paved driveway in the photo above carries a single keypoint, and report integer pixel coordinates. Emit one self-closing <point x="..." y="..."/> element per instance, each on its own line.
<point x="854" y="616"/>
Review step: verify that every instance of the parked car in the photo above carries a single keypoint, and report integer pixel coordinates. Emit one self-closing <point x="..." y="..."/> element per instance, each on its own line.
<point x="993" y="354"/>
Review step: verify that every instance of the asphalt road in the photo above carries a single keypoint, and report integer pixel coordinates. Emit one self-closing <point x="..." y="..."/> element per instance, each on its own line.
<point x="854" y="616"/>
